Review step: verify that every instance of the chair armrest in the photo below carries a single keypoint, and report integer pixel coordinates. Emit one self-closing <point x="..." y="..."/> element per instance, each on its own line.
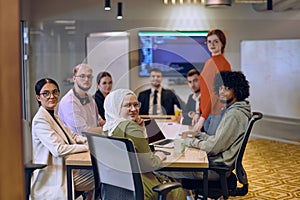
<point x="33" y="166"/>
<point x="164" y="189"/>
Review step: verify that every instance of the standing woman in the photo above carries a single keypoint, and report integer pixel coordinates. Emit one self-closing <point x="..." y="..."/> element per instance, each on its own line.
<point x="210" y="105"/>
<point x="122" y="111"/>
<point x="52" y="142"/>
<point x="104" y="85"/>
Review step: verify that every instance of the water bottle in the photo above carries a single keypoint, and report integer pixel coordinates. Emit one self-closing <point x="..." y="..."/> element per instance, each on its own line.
<point x="179" y="146"/>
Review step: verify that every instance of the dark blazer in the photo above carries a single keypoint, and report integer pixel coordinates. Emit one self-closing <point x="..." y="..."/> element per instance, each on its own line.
<point x="168" y="100"/>
<point x="99" y="98"/>
<point x="190" y="106"/>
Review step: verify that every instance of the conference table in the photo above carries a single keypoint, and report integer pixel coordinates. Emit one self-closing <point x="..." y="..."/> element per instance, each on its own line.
<point x="192" y="160"/>
<point x="160" y="118"/>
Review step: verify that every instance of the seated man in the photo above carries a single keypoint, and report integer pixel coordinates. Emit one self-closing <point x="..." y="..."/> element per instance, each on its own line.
<point x="232" y="89"/>
<point x="78" y="109"/>
<point x="192" y="104"/>
<point x="157" y="100"/>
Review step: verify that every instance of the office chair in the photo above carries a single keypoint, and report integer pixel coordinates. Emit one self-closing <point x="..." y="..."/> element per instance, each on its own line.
<point x="226" y="186"/>
<point x="116" y="170"/>
<point x="29" y="168"/>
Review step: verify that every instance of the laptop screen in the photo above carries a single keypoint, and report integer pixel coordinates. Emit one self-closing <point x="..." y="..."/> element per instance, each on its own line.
<point x="153" y="131"/>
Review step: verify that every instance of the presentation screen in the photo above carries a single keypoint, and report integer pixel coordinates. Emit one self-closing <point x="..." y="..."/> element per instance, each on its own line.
<point x="174" y="53"/>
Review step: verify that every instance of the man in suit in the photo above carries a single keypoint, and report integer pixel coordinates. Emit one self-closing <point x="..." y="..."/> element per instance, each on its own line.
<point x="192" y="104"/>
<point x="157" y="100"/>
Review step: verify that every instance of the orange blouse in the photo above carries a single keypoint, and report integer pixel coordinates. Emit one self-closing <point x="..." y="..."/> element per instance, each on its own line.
<point x="209" y="101"/>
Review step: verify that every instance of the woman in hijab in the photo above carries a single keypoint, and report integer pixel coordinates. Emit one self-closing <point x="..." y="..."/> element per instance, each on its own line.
<point x="122" y="120"/>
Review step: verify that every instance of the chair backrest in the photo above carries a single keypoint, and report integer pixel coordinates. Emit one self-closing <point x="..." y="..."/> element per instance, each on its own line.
<point x="27" y="142"/>
<point x="240" y="171"/>
<point x="115" y="166"/>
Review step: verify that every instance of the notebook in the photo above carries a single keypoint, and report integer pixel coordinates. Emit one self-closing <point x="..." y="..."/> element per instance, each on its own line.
<point x="156" y="136"/>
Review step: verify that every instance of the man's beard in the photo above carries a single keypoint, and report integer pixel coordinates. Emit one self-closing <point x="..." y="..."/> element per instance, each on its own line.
<point x="83" y="88"/>
<point x="197" y="91"/>
<point x="227" y="101"/>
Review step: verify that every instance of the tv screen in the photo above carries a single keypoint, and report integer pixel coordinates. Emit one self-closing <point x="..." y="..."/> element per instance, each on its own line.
<point x="174" y="53"/>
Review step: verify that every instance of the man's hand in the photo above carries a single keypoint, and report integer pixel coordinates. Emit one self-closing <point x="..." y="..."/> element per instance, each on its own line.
<point x="198" y="126"/>
<point x="195" y="119"/>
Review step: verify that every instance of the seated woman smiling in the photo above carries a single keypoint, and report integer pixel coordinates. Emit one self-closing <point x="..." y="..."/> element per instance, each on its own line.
<point x="51" y="143"/>
<point x="122" y="120"/>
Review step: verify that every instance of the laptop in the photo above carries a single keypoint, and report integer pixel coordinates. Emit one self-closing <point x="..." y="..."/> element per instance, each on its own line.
<point x="156" y="136"/>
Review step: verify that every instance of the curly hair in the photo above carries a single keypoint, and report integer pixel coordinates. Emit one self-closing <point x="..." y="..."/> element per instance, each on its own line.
<point x="235" y="80"/>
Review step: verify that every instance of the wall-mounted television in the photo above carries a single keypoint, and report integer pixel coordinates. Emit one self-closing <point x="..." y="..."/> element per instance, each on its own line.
<point x="173" y="52"/>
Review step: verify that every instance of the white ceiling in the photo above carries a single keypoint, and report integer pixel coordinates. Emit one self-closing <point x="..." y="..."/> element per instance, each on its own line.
<point x="278" y="5"/>
<point x="259" y="5"/>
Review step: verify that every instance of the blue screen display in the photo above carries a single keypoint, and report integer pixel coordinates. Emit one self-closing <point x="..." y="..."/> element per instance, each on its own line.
<point x="174" y="53"/>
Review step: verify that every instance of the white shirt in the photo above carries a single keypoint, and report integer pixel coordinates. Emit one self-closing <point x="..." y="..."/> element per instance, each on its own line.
<point x="159" y="110"/>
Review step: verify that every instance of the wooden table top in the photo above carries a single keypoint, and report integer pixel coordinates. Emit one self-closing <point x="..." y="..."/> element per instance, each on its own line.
<point x="161" y="118"/>
<point x="192" y="158"/>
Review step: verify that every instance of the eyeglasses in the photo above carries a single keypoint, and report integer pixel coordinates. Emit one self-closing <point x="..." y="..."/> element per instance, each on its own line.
<point x="135" y="105"/>
<point x="47" y="94"/>
<point x="83" y="76"/>
<point x="215" y="42"/>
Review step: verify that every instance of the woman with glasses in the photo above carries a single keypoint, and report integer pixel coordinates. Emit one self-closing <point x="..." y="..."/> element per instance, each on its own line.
<point x="210" y="106"/>
<point x="104" y="86"/>
<point x="122" y="120"/>
<point x="52" y="142"/>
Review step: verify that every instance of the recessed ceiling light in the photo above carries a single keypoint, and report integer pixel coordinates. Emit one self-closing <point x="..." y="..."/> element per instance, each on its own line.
<point x="65" y="21"/>
<point x="70" y="27"/>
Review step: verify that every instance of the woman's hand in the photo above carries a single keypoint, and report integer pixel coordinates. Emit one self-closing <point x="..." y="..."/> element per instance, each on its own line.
<point x="101" y="121"/>
<point x="140" y="121"/>
<point x="80" y="139"/>
<point x="161" y="155"/>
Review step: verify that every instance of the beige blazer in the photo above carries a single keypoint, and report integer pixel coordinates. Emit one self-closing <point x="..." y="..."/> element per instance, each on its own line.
<point x="50" y="146"/>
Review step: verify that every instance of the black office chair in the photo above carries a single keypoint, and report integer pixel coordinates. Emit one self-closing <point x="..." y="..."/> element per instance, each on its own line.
<point x="116" y="170"/>
<point x="226" y="186"/>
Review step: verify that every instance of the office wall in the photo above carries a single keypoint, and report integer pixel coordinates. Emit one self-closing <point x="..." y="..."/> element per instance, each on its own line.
<point x="274" y="75"/>
<point x="109" y="52"/>
<point x="55" y="52"/>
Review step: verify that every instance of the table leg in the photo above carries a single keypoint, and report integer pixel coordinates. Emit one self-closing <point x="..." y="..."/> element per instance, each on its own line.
<point x="205" y="183"/>
<point x="69" y="183"/>
<point x="27" y="181"/>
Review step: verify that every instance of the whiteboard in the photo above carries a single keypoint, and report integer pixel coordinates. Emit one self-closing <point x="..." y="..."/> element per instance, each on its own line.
<point x="109" y="52"/>
<point x="273" y="70"/>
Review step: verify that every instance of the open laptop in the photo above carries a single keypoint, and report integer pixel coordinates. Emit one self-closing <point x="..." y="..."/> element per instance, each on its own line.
<point x="156" y="136"/>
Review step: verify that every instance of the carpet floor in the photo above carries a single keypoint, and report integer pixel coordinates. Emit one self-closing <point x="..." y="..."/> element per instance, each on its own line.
<point x="273" y="170"/>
